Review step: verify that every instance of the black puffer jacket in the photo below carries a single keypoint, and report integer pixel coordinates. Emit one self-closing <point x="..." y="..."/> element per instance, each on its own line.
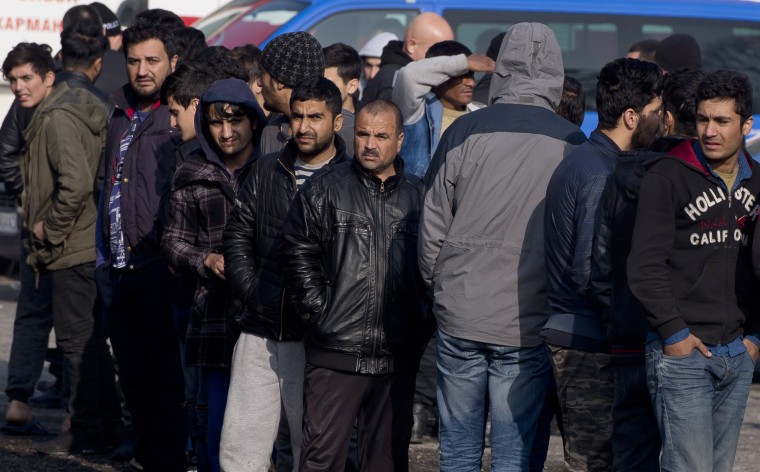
<point x="252" y="229"/>
<point x="392" y="60"/>
<point x="623" y="315"/>
<point x="349" y="254"/>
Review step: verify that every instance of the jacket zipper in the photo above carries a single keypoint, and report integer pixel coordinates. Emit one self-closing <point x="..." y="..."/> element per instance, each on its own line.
<point x="282" y="299"/>
<point x="380" y="274"/>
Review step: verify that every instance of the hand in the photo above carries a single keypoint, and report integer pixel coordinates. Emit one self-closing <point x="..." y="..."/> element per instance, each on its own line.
<point x="215" y="263"/>
<point x="752" y="349"/>
<point x="480" y="63"/>
<point x="685" y="347"/>
<point x="39" y="231"/>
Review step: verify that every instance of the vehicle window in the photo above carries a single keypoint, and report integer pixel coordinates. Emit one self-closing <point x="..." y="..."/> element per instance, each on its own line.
<point x="358" y="26"/>
<point x="589" y="41"/>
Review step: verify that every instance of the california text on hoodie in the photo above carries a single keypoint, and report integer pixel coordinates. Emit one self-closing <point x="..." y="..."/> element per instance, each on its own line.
<point x="690" y="263"/>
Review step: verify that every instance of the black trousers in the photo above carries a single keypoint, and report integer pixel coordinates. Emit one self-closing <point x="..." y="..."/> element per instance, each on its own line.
<point x="93" y="400"/>
<point x="381" y="406"/>
<point x="138" y="309"/>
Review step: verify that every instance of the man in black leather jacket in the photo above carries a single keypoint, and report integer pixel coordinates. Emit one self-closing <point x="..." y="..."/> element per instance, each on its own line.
<point x="349" y="255"/>
<point x="268" y="360"/>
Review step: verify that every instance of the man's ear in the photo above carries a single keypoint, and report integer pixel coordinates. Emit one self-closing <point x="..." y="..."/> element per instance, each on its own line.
<point x="194" y="103"/>
<point x="401" y="137"/>
<point x="173" y="62"/>
<point x="49" y="79"/>
<point x="747" y="126"/>
<point x="630" y="118"/>
<point x="338" y="122"/>
<point x="352" y="86"/>
<point x="277" y="84"/>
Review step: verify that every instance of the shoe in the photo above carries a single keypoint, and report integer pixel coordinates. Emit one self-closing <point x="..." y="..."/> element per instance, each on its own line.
<point x="135" y="465"/>
<point x="66" y="443"/>
<point x="30" y="428"/>
<point x="418" y="428"/>
<point x="126" y="449"/>
<point x="51" y="399"/>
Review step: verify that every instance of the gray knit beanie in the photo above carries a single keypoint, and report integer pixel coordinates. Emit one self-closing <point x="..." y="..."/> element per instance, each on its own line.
<point x="292" y="57"/>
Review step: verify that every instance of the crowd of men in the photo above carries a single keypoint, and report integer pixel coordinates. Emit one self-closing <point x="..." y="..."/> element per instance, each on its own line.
<point x="302" y="256"/>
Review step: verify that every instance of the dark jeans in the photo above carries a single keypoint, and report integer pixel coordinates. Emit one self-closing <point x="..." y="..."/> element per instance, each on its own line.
<point x="380" y="404"/>
<point x="635" y="435"/>
<point x="216" y="382"/>
<point x="427" y="376"/>
<point x="31" y="329"/>
<point x="93" y="400"/>
<point x="138" y="307"/>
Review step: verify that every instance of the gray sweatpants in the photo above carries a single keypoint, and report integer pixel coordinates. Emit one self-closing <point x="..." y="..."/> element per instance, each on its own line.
<point x="267" y="378"/>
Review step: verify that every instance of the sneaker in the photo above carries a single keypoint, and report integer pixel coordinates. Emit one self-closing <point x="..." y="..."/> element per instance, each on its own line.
<point x="135" y="465"/>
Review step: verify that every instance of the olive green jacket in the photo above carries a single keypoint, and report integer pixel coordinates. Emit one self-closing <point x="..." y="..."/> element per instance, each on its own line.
<point x="64" y="143"/>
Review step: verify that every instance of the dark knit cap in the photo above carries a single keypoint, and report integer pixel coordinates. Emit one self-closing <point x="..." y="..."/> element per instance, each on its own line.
<point x="292" y="57"/>
<point x="678" y="52"/>
<point x="110" y="22"/>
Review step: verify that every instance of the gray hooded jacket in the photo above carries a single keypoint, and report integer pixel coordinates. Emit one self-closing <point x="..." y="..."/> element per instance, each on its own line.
<point x="481" y="234"/>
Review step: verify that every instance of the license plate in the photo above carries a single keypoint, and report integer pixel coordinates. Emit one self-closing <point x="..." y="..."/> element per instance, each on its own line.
<point x="8" y="223"/>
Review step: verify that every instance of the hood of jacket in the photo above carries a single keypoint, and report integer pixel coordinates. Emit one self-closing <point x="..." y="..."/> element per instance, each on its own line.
<point x="80" y="103"/>
<point x="529" y="68"/>
<point x="393" y="53"/>
<point x="233" y="91"/>
<point x="688" y="152"/>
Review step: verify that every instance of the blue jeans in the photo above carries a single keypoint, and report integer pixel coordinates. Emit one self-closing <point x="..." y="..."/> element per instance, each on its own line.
<point x="699" y="403"/>
<point x="473" y="377"/>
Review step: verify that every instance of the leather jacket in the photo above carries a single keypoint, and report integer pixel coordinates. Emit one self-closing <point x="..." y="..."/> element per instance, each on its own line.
<point x="11" y="145"/>
<point x="349" y="256"/>
<point x="250" y="239"/>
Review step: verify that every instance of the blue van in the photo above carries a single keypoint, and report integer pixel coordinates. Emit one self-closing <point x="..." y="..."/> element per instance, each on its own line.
<point x="590" y="32"/>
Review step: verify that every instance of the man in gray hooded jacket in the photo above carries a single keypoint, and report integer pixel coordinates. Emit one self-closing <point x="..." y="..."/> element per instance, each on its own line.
<point x="482" y="256"/>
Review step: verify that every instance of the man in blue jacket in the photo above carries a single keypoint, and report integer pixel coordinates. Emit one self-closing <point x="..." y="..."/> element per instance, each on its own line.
<point x="629" y="110"/>
<point x="134" y="282"/>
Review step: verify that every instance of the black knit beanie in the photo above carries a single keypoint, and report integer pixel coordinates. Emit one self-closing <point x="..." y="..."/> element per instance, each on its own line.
<point x="292" y="57"/>
<point x="678" y="52"/>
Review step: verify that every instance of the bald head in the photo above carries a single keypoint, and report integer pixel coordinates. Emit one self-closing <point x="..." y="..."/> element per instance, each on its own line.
<point x="423" y="31"/>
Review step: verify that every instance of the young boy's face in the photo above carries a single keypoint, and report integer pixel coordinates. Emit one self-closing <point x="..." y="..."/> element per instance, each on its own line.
<point x="29" y="87"/>
<point x="183" y="119"/>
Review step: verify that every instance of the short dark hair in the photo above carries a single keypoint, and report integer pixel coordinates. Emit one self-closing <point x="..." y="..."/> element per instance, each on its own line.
<point x="38" y="55"/>
<point x="319" y="89"/>
<point x="679" y="90"/>
<point x="377" y="107"/>
<point x="82" y="43"/>
<point x="646" y="49"/>
<point x="219" y="62"/>
<point x="143" y="30"/>
<point x="190" y="42"/>
<point x="189" y="80"/>
<point x="163" y="18"/>
<point x="78" y="13"/>
<point x="625" y="83"/>
<point x="725" y="85"/>
<point x="572" y="105"/>
<point x="249" y="56"/>
<point x="448" y="48"/>
<point x="346" y="59"/>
